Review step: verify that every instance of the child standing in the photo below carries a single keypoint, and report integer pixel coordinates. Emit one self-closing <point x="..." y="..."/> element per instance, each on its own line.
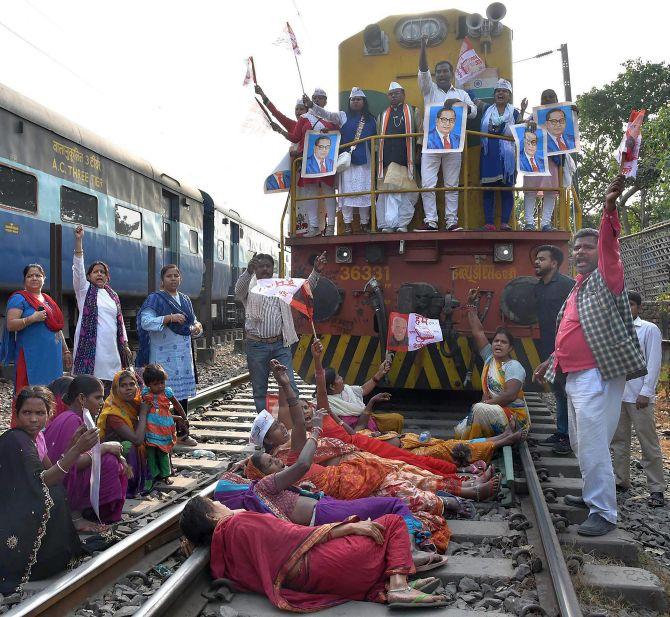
<point x="161" y="432"/>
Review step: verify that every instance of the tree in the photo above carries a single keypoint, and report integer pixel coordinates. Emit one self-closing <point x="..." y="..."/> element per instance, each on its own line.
<point x="646" y="199"/>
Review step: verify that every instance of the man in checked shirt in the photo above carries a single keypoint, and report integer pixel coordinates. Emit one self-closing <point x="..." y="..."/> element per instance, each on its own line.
<point x="268" y="325"/>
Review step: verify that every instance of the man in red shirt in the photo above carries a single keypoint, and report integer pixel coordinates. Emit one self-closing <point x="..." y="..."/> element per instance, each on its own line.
<point x="597" y="350"/>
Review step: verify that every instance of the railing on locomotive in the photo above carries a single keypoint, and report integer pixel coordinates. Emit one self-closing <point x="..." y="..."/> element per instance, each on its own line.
<point x="562" y="210"/>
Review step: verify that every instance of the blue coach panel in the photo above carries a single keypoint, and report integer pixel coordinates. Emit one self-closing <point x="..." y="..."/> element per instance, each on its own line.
<point x="23" y="240"/>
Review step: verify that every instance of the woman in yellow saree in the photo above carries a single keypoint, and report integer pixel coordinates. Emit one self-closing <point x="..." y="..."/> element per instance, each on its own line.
<point x="503" y="403"/>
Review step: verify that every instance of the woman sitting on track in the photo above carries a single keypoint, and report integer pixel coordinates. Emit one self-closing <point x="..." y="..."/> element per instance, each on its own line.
<point x="124" y="419"/>
<point x="33" y="339"/>
<point x="38" y="538"/>
<point x="305" y="569"/>
<point x="276" y="494"/>
<point x="468" y="456"/>
<point x="86" y="392"/>
<point x="503" y="402"/>
<point x="100" y="341"/>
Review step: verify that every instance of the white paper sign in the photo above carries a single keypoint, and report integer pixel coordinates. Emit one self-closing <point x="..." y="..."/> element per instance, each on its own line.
<point x="284" y="289"/>
<point x="95" y="467"/>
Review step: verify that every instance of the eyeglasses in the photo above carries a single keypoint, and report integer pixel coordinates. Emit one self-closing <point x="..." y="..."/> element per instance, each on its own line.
<point x="556" y="122"/>
<point x="326" y="147"/>
<point x="447" y="120"/>
<point x="531" y="142"/>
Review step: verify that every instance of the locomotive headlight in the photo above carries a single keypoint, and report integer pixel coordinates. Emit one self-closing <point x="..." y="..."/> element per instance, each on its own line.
<point x="503" y="252"/>
<point x="343" y="255"/>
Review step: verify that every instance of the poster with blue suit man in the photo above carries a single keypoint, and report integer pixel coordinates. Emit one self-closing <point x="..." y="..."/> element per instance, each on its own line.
<point x="320" y="154"/>
<point x="560" y="122"/>
<point x="444" y="128"/>
<point x="531" y="151"/>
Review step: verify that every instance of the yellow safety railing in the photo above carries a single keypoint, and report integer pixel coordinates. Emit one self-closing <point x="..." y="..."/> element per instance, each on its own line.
<point x="561" y="212"/>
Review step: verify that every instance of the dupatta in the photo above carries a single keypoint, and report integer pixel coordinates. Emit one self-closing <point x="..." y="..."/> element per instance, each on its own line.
<point x="493" y="384"/>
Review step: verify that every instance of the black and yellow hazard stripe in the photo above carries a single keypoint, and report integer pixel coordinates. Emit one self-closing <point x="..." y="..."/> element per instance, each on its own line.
<point x="436" y="367"/>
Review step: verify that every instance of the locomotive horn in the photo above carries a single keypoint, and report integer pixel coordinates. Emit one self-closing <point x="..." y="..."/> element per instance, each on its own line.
<point x="495" y="12"/>
<point x="474" y="23"/>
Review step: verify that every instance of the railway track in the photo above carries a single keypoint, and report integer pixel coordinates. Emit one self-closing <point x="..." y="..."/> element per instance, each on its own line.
<point x="521" y="556"/>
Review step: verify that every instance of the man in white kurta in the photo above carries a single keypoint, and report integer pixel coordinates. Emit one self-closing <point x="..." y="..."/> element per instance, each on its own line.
<point x="439" y="91"/>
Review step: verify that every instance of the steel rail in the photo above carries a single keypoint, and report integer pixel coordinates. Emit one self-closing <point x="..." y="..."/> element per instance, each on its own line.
<point x="211" y="392"/>
<point x="176" y="586"/>
<point x="101" y="567"/>
<point x="563" y="588"/>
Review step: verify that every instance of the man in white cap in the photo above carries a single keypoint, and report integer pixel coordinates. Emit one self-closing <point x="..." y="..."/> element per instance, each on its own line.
<point x="439" y="91"/>
<point x="356" y="123"/>
<point x="395" y="210"/>
<point x="320" y="190"/>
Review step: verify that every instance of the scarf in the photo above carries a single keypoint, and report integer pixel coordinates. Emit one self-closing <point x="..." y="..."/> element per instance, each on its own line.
<point x="253" y="311"/>
<point x="409" y="128"/>
<point x="84" y="359"/>
<point x="492" y="121"/>
<point x="350" y="132"/>
<point x="162" y="303"/>
<point x="493" y="383"/>
<point x="341" y="407"/>
<point x="115" y="406"/>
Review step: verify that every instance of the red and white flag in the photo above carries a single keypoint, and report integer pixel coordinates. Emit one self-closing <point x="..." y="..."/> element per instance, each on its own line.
<point x="250" y="75"/>
<point x="469" y="64"/>
<point x="629" y="149"/>
<point x="411" y="331"/>
<point x="295" y="292"/>
<point x="288" y="40"/>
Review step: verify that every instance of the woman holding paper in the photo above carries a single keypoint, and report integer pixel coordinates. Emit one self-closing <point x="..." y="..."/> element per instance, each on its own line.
<point x="86" y="393"/>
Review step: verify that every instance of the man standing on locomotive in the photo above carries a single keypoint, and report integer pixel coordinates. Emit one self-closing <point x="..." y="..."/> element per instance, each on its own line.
<point x="395" y="210"/>
<point x="268" y="324"/>
<point x="597" y="349"/>
<point x="439" y="91"/>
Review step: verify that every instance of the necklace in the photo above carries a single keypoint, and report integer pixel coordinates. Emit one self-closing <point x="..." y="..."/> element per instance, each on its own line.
<point x="397" y="121"/>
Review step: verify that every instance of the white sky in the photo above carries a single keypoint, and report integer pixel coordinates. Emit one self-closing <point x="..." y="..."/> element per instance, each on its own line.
<point x="163" y="79"/>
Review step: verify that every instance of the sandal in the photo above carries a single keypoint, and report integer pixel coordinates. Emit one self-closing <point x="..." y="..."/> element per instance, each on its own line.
<point x="464" y="507"/>
<point x="656" y="500"/>
<point x="496" y="481"/>
<point x="418" y="601"/>
<point x="434" y="561"/>
<point x="427" y="585"/>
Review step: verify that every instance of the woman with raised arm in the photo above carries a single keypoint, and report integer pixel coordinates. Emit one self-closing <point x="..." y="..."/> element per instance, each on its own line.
<point x="100" y="341"/>
<point x="503" y="403"/>
<point x="306" y="569"/>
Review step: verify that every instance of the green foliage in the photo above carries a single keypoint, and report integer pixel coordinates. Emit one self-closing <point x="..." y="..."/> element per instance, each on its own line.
<point x="641" y="85"/>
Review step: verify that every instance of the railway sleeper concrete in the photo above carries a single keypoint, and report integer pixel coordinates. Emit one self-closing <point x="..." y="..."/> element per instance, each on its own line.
<point x="213" y="423"/>
<point x="199" y="464"/>
<point x="562" y="486"/>
<point x="575" y="515"/>
<point x="634" y="585"/>
<point x="477" y="531"/>
<point x="208" y="434"/>
<point x="214" y="446"/>
<point x="617" y="544"/>
<point x="567" y="466"/>
<point x="259" y="606"/>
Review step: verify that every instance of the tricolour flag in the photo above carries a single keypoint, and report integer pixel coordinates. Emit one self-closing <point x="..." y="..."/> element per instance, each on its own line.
<point x="288" y="40"/>
<point x="249" y="77"/>
<point x="295" y="292"/>
<point x="411" y="331"/>
<point x="629" y="149"/>
<point x="469" y="64"/>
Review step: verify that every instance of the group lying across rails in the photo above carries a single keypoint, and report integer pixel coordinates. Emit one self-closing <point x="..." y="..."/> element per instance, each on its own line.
<point x="321" y="495"/>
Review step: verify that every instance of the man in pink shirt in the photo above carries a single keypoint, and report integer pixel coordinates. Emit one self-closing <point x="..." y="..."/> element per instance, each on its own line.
<point x="596" y="350"/>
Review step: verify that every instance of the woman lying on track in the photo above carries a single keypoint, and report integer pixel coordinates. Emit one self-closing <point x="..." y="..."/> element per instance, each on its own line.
<point x="277" y="494"/>
<point x="358" y="472"/>
<point x="343" y="398"/>
<point x="305" y="569"/>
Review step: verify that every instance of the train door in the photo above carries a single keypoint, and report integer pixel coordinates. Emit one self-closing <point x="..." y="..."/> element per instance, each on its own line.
<point x="234" y="251"/>
<point x="170" y="228"/>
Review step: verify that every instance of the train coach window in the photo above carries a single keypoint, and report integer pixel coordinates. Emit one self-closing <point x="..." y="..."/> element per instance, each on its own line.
<point x="18" y="190"/>
<point x="128" y="222"/>
<point x="78" y="207"/>
<point x="193" y="241"/>
<point x="220" y="250"/>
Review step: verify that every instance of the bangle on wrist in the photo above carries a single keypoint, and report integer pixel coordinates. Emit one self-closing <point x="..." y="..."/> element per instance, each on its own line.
<point x="61" y="467"/>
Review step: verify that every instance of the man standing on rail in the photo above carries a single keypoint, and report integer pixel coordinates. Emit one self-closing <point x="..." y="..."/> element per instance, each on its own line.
<point x="637" y="409"/>
<point x="268" y="324"/>
<point x="395" y="210"/>
<point x="551" y="292"/>
<point x="597" y="350"/>
<point x="439" y="91"/>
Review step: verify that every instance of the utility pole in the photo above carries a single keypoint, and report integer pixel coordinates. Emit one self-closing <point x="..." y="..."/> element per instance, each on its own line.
<point x="565" y="61"/>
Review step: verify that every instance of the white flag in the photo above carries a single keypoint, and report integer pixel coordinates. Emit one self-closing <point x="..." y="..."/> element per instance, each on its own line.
<point x="249" y="75"/>
<point x="95" y="467"/>
<point x="469" y="64"/>
<point x="284" y="289"/>
<point x="411" y="331"/>
<point x="288" y="40"/>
